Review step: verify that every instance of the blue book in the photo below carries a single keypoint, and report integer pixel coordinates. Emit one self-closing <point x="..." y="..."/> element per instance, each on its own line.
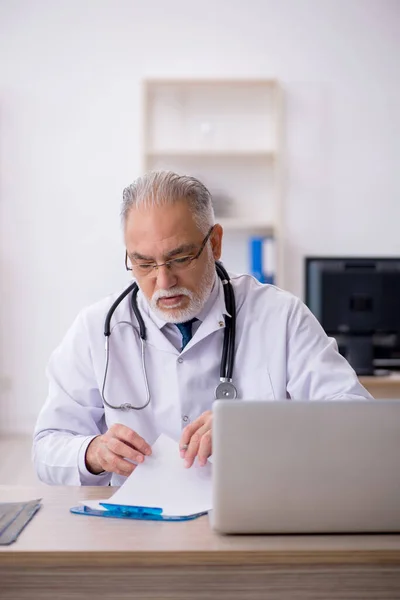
<point x="262" y="258"/>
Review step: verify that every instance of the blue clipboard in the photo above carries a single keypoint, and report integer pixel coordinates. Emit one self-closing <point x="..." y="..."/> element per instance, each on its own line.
<point x="141" y="513"/>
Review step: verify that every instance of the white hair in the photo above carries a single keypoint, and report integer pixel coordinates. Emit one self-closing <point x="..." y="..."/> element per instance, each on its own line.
<point x="166" y="187"/>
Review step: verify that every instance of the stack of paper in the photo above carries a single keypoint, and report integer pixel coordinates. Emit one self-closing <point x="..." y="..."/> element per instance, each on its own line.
<point x="162" y="481"/>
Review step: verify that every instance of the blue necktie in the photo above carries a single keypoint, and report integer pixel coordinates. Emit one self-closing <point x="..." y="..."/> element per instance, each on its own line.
<point x="186" y="331"/>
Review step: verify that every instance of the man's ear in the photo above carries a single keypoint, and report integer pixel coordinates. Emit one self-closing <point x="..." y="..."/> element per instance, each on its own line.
<point x="216" y="241"/>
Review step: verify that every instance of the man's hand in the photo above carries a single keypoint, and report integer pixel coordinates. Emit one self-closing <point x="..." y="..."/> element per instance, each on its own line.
<point x="196" y="440"/>
<point x="108" y="452"/>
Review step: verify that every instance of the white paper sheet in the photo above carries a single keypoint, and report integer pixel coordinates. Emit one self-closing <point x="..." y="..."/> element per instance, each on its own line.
<point x="162" y="481"/>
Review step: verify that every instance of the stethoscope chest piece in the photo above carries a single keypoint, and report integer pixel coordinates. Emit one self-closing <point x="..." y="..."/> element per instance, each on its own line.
<point x="225" y="391"/>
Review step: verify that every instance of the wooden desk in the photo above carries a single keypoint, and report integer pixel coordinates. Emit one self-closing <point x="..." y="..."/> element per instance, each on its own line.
<point x="62" y="556"/>
<point x="383" y="387"/>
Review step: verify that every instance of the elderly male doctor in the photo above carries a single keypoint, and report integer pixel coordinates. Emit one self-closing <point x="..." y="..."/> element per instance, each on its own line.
<point x="172" y="243"/>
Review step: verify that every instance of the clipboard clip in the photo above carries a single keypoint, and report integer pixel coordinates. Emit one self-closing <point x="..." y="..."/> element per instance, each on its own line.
<point x="132" y="510"/>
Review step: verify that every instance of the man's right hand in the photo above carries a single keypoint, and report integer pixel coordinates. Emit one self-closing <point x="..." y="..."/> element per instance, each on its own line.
<point x="108" y="452"/>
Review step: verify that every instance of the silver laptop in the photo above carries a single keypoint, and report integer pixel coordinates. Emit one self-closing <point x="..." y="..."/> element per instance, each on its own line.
<point x="306" y="467"/>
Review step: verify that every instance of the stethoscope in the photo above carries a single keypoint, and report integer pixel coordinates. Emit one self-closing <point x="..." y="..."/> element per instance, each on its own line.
<point x="225" y="390"/>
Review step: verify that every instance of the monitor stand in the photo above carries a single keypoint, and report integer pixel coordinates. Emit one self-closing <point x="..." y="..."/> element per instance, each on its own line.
<point x="359" y="351"/>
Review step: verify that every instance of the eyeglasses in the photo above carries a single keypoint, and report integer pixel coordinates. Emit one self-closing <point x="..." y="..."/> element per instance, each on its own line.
<point x="181" y="263"/>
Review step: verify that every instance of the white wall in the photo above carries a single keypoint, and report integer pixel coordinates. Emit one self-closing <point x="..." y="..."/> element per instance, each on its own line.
<point x="69" y="126"/>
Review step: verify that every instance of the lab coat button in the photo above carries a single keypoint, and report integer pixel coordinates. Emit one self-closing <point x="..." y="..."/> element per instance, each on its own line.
<point x="185" y="418"/>
<point x="180" y="360"/>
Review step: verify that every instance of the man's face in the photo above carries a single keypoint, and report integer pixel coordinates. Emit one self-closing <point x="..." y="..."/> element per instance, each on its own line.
<point x="161" y="233"/>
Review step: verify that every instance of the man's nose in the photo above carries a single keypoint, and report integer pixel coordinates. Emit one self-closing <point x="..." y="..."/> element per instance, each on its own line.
<point x="166" y="279"/>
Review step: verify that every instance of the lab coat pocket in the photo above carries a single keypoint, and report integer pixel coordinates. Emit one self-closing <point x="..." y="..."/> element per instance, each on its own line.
<point x="252" y="376"/>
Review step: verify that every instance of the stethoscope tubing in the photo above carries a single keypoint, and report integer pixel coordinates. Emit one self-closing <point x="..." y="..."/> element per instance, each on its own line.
<point x="225" y="389"/>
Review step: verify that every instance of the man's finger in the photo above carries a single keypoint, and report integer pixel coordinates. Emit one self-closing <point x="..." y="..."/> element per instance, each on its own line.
<point x="193" y="446"/>
<point x="187" y="434"/>
<point x="132" y="438"/>
<point x="125" y="472"/>
<point x="115" y="464"/>
<point x="205" y="448"/>
<point x="125" y="451"/>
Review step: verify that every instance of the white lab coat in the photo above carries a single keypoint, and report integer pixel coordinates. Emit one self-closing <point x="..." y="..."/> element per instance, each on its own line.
<point x="281" y="353"/>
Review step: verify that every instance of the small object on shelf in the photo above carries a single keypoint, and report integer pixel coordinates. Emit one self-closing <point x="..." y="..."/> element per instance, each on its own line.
<point x="207" y="134"/>
<point x="262" y="258"/>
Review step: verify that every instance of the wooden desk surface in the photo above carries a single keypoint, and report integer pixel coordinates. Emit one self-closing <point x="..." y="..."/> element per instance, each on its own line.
<point x="57" y="537"/>
<point x="385" y="387"/>
<point x="91" y="557"/>
<point x="393" y="379"/>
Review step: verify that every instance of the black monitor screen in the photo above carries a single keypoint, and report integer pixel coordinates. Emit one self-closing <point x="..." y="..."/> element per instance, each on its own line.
<point x="355" y="296"/>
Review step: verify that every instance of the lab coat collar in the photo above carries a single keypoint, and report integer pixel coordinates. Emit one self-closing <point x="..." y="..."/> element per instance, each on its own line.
<point x="211" y="317"/>
<point x="215" y="303"/>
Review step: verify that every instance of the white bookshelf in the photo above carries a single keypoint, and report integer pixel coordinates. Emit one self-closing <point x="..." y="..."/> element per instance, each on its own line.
<point x="227" y="133"/>
<point x="266" y="154"/>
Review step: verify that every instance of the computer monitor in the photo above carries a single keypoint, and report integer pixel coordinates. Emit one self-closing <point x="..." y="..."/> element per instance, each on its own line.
<point x="357" y="301"/>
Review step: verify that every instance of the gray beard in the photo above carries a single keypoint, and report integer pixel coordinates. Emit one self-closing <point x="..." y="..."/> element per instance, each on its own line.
<point x="197" y="299"/>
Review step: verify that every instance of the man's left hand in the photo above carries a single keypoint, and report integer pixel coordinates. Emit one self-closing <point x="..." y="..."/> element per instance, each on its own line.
<point x="196" y="440"/>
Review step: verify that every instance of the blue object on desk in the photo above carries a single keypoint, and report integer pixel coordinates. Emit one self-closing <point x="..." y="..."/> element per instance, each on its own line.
<point x="128" y="510"/>
<point x="143" y="514"/>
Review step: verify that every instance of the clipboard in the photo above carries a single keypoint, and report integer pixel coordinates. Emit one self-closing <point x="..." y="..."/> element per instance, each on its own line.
<point x="160" y="489"/>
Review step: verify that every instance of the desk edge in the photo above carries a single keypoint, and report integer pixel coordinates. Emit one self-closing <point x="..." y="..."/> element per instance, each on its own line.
<point x="80" y="559"/>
